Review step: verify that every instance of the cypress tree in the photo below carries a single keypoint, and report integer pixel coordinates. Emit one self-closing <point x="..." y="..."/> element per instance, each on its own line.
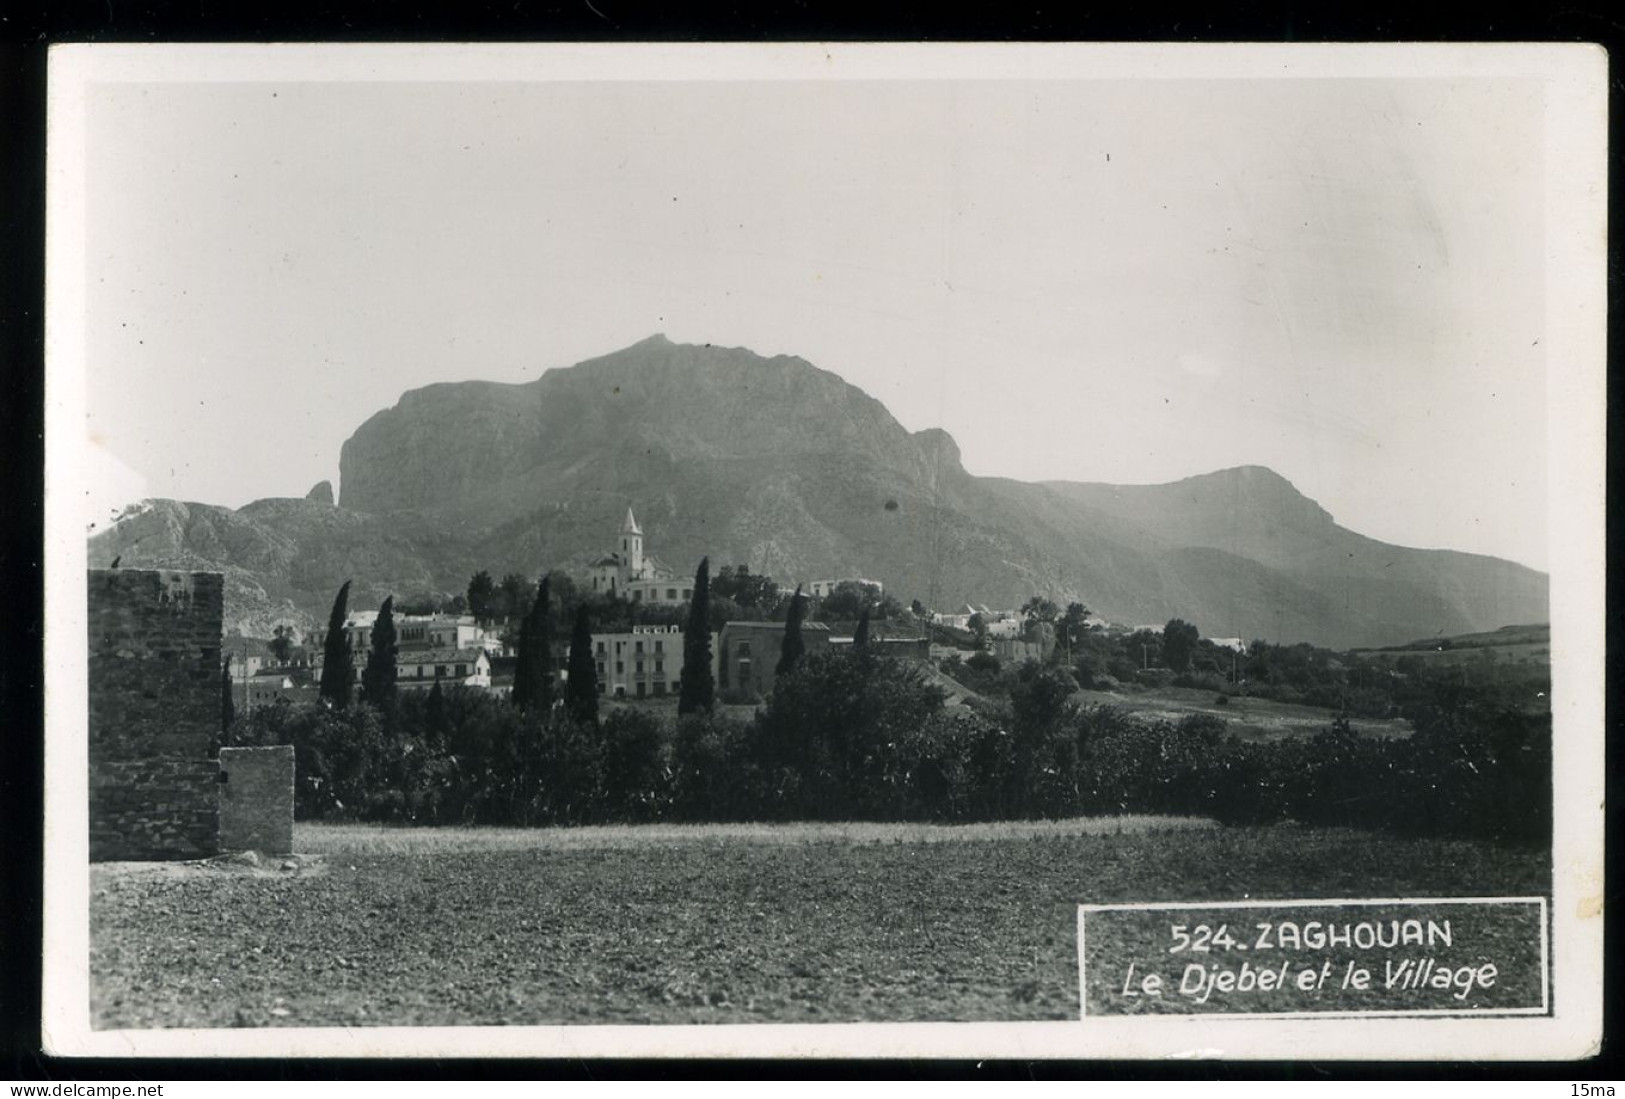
<point x="860" y="639"/>
<point x="228" y="705"/>
<point x="521" y="675"/>
<point x="582" y="688"/>
<point x="378" y="678"/>
<point x="336" y="670"/>
<point x="434" y="718"/>
<point x="533" y="672"/>
<point x="698" y="685"/>
<point x="791" y="651"/>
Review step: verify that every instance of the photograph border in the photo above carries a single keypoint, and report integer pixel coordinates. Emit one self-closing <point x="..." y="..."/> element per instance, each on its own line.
<point x="1575" y="164"/>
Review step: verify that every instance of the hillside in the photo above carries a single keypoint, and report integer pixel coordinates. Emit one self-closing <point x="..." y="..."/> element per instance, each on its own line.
<point x="778" y="464"/>
<point x="283" y="559"/>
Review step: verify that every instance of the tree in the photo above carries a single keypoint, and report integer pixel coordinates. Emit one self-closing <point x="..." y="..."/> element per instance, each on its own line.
<point x="533" y="672"/>
<point x="378" y="678"/>
<point x="1037" y="612"/>
<point x="562" y="596"/>
<point x="849" y="599"/>
<point x="978" y="629"/>
<point x="698" y="685"/>
<point x="750" y="590"/>
<point x="581" y="690"/>
<point x="514" y="596"/>
<point x="434" y="715"/>
<point x="828" y="735"/>
<point x="228" y="705"/>
<point x="1142" y="649"/>
<point x="424" y="602"/>
<point x="1044" y="749"/>
<point x="1074" y="625"/>
<point x="860" y="638"/>
<point x="282" y="644"/>
<point x="791" y="651"/>
<point x="336" y="670"/>
<point x="635" y="787"/>
<point x="481" y="594"/>
<point x="1179" y="640"/>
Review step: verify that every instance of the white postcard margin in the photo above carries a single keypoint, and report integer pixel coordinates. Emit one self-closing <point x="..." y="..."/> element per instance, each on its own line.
<point x="1575" y="160"/>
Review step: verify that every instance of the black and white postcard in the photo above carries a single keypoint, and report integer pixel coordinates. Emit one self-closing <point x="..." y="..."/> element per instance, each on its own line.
<point x="1041" y="551"/>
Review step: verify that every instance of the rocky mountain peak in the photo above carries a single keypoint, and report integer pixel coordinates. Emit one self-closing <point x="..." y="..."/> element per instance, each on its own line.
<point x="480" y="446"/>
<point x="775" y="463"/>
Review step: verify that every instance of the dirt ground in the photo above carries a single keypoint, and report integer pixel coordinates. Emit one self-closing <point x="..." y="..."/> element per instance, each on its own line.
<point x="798" y="923"/>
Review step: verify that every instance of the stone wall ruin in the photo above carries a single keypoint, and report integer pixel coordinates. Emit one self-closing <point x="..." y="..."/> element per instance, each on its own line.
<point x="154" y="687"/>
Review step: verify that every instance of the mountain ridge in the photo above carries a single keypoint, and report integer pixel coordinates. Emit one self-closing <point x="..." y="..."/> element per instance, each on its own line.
<point x="776" y="463"/>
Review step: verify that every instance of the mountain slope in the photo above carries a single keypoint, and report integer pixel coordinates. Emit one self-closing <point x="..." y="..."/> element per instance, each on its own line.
<point x="774" y="463"/>
<point x="1254" y="513"/>
<point x="283" y="559"/>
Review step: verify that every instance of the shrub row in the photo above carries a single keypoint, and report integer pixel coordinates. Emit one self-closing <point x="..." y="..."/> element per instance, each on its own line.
<point x="856" y="736"/>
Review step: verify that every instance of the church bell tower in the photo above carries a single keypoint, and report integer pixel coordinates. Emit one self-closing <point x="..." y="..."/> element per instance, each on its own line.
<point x="632" y="546"/>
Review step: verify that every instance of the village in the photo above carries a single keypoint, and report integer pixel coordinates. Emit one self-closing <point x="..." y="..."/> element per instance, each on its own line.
<point x="457" y="648"/>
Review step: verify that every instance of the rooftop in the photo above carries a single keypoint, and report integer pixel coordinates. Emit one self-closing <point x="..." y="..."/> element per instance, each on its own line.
<point x="780" y="625"/>
<point x="440" y="656"/>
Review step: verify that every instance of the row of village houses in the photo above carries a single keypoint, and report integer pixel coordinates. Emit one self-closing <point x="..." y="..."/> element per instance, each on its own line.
<point x="644" y="662"/>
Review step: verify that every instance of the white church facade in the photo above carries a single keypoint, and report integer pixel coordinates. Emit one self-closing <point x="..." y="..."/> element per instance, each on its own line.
<point x="627" y="571"/>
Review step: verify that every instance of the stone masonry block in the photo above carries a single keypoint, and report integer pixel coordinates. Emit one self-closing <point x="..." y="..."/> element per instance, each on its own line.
<point x="256" y="799"/>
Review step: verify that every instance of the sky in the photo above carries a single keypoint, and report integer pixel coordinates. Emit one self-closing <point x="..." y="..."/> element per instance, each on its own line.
<point x="1099" y="280"/>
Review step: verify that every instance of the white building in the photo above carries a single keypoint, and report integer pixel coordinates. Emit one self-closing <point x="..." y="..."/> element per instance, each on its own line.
<point x="438" y="631"/>
<point x="449" y="649"/>
<point x="412" y="632"/>
<point x="357" y="631"/>
<point x="423" y="668"/>
<point x="645" y="663"/>
<point x="1004" y="628"/>
<point x="960" y="619"/>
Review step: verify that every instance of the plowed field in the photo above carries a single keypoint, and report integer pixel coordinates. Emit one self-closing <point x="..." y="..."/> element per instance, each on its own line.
<point x="798" y="923"/>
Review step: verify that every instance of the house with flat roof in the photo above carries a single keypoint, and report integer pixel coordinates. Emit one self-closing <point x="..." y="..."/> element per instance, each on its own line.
<point x="421" y="669"/>
<point x="644" y="662"/>
<point x="747" y="653"/>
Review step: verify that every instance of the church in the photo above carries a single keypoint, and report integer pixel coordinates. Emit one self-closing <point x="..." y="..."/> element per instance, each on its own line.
<point x="631" y="574"/>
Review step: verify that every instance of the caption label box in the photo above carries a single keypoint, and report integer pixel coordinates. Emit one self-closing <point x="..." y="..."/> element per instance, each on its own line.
<point x="1275" y="959"/>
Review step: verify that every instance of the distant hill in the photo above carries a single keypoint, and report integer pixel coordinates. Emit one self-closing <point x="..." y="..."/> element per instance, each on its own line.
<point x="783" y="466"/>
<point x="1518" y="644"/>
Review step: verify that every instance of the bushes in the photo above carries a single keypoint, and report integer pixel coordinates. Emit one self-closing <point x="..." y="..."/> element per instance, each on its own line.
<point x="1493" y="784"/>
<point x="340" y="757"/>
<point x="854" y="735"/>
<point x="1132" y="766"/>
<point x="635" y="767"/>
<point x="832" y="732"/>
<point x="1045" y="742"/>
<point x="981" y="673"/>
<point x="714" y="776"/>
